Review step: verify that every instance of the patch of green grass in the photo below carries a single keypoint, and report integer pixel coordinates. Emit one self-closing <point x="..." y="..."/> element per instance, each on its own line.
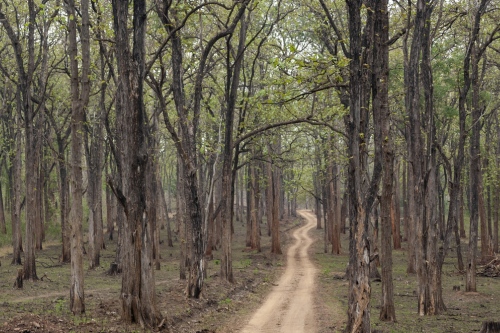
<point x="226" y="301"/>
<point x="243" y="263"/>
<point x="60" y="306"/>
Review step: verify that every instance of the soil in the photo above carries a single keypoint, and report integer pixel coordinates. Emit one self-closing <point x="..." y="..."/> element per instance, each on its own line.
<point x="289" y="306"/>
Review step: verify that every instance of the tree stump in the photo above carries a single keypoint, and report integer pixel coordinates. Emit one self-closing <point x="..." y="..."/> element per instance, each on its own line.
<point x="113" y="269"/>
<point x="19" y="279"/>
<point x="490" y="327"/>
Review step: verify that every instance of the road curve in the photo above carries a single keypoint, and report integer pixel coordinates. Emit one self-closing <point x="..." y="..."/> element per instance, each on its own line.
<point x="289" y="306"/>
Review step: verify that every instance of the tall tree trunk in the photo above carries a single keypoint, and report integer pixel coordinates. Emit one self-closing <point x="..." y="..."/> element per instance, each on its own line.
<point x="496" y="196"/>
<point x="31" y="165"/>
<point x="163" y="201"/>
<point x="474" y="176"/>
<point x="485" y="236"/>
<point x="254" y="206"/>
<point x="25" y="109"/>
<point x="358" y="313"/>
<point x="232" y="85"/>
<point x="396" y="211"/>
<point x="335" y="191"/>
<point x="94" y="199"/>
<point x="3" y="227"/>
<point x="405" y="202"/>
<point x="181" y="216"/>
<point x="16" y="197"/>
<point x="381" y="105"/>
<point x="461" y="216"/>
<point x="275" y="225"/>
<point x="79" y="101"/>
<point x="94" y="152"/>
<point x="110" y="213"/>
<point x="64" y="203"/>
<point x="137" y="297"/>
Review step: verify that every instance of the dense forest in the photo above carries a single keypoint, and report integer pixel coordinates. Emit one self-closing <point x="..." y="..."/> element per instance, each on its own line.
<point x="123" y="118"/>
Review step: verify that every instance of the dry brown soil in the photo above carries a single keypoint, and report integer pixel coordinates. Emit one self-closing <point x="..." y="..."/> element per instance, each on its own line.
<point x="289" y="306"/>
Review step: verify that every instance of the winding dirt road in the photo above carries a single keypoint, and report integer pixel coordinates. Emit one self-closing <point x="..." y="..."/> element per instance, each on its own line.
<point x="289" y="306"/>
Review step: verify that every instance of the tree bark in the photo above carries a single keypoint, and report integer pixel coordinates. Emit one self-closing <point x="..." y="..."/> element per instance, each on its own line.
<point x="138" y="298"/>
<point x="254" y="208"/>
<point x="380" y="97"/>
<point x="396" y="212"/>
<point x="474" y="177"/>
<point x="79" y="101"/>
<point x="16" y="197"/>
<point x="3" y="227"/>
<point x="358" y="313"/>
<point x="232" y="85"/>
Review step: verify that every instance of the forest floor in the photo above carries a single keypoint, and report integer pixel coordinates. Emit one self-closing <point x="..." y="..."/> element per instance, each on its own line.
<point x="42" y="306"/>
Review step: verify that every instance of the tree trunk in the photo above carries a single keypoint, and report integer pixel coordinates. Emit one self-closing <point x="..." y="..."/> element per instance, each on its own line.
<point x="474" y="177"/>
<point x="110" y="213"/>
<point x="3" y="227"/>
<point x="338" y="208"/>
<point x="232" y="85"/>
<point x="79" y="101"/>
<point x="254" y="206"/>
<point x="485" y="236"/>
<point x="461" y="216"/>
<point x="31" y="166"/>
<point x="94" y="189"/>
<point x="163" y="201"/>
<point x="137" y="297"/>
<point x="358" y="313"/>
<point x="181" y="222"/>
<point x="395" y="212"/>
<point x="16" y="198"/>
<point x="250" y="206"/>
<point x="387" y="202"/>
<point x="275" y="226"/>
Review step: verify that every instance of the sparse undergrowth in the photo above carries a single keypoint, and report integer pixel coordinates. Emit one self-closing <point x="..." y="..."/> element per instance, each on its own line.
<point x="42" y="306"/>
<point x="465" y="311"/>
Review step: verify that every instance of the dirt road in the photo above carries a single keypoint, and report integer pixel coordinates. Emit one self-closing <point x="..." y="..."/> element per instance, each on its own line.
<point x="289" y="306"/>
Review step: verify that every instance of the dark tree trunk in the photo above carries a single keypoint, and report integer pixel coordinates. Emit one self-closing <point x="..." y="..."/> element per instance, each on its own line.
<point x="381" y="105"/>
<point x="31" y="166"/>
<point x="163" y="201"/>
<point x="338" y="208"/>
<point x="94" y="156"/>
<point x="396" y="211"/>
<point x="16" y="199"/>
<point x="110" y="213"/>
<point x="181" y="216"/>
<point x="358" y="313"/>
<point x="486" y="252"/>
<point x="232" y="85"/>
<point x="254" y="208"/>
<point x="138" y="298"/>
<point x="3" y="227"/>
<point x="474" y="177"/>
<point x="275" y="225"/>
